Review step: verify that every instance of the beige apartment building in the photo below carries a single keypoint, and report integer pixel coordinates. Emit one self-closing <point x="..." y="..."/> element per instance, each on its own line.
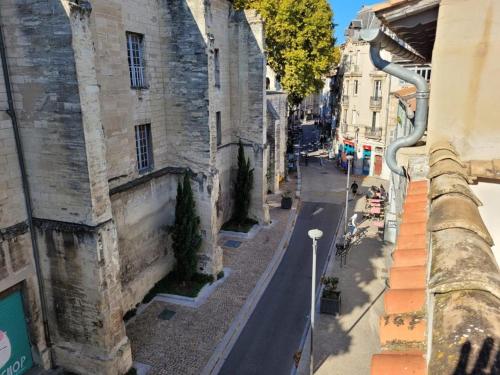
<point x="109" y="103"/>
<point x="368" y="100"/>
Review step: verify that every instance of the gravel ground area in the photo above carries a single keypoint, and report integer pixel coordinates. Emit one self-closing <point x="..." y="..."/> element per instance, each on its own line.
<point x="184" y="344"/>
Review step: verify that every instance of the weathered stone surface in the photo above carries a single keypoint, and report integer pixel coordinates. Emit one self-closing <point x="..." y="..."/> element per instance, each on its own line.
<point x="442" y="145"/>
<point x="444" y="154"/>
<point x="80" y="264"/>
<point x="457" y="211"/>
<point x="447" y="166"/>
<point x="446" y="184"/>
<point x="465" y="334"/>
<point x="103" y="251"/>
<point x="462" y="260"/>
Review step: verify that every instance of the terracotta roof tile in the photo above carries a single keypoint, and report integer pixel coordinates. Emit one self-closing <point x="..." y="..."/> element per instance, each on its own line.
<point x="450" y="167"/>
<point x="398" y="301"/>
<point x="414" y="207"/>
<point x="411" y="242"/>
<point x="417" y="198"/>
<point x="409" y="258"/>
<point x="465" y="333"/>
<point x="442" y="145"/>
<point x="462" y="260"/>
<point x="403" y="327"/>
<point x="464" y="276"/>
<point x="457" y="211"/>
<point x="417" y="186"/>
<point x="410" y="229"/>
<point x="398" y="364"/>
<point x="407" y="277"/>
<point x="415" y="217"/>
<point x="404" y="330"/>
<point x="443" y="154"/>
<point x="446" y="184"/>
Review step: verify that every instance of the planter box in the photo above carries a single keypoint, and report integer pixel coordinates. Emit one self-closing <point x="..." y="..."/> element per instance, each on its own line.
<point x="286" y="203"/>
<point x="331" y="305"/>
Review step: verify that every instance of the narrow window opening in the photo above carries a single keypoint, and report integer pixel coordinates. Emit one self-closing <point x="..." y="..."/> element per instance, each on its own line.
<point x="217" y="67"/>
<point x="219" y="128"/>
<point x="144" y="147"/>
<point x="135" y="51"/>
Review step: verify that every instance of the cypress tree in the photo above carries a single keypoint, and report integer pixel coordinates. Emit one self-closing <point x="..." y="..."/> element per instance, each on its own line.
<point x="186" y="234"/>
<point x="242" y="187"/>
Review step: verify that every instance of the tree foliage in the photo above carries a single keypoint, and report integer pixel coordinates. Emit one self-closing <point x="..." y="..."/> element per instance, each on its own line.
<point x="242" y="188"/>
<point x="186" y="232"/>
<point x="299" y="42"/>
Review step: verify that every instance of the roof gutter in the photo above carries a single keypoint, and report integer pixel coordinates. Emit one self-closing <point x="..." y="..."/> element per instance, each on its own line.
<point x="379" y="40"/>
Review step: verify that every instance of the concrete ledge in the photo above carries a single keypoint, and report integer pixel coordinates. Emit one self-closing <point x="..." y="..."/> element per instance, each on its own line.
<point x="247" y="236"/>
<point x="197" y="301"/>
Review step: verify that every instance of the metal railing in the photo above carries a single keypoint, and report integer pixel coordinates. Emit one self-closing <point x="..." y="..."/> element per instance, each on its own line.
<point x="371" y="132"/>
<point x="354" y="68"/>
<point x="375" y="102"/>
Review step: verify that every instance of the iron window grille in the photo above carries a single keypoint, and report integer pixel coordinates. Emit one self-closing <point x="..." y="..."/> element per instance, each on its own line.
<point x="143" y="148"/>
<point x="135" y="51"/>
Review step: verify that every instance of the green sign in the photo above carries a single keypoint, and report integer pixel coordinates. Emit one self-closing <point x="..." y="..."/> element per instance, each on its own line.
<point x="15" y="350"/>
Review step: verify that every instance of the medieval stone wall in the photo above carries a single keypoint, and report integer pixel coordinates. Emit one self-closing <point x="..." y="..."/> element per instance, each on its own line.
<point x="52" y="66"/>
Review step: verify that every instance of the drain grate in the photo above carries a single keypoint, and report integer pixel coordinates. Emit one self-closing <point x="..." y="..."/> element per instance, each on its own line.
<point x="232" y="243"/>
<point x="166" y="314"/>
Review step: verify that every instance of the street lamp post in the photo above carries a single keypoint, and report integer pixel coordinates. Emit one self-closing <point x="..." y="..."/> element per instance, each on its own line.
<point x="315" y="235"/>
<point x="349" y="159"/>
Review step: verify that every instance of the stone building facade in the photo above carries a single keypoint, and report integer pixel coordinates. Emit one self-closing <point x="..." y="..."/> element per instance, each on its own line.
<point x="114" y="101"/>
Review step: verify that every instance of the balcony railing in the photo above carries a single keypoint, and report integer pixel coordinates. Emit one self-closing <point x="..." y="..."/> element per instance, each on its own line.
<point x="345" y="99"/>
<point x="343" y="127"/>
<point x="375" y="133"/>
<point x="375" y="102"/>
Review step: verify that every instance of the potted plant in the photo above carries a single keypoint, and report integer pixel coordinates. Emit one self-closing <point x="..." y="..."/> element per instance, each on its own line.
<point x="330" y="298"/>
<point x="286" y="200"/>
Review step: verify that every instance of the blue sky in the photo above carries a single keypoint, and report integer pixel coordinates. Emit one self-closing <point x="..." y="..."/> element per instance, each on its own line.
<point x="344" y="12"/>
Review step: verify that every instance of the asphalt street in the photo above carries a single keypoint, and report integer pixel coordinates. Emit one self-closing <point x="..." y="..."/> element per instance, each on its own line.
<point x="274" y="331"/>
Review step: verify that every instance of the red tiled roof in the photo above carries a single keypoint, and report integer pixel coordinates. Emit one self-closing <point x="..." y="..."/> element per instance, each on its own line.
<point x="403" y="327"/>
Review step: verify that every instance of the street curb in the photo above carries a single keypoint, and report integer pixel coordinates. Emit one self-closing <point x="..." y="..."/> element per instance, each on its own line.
<point x="197" y="301"/>
<point x="299" y="180"/>
<point x="225" y="346"/>
<point x="307" y="330"/>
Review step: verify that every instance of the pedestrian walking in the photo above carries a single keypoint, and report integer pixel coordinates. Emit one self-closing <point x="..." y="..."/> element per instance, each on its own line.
<point x="354" y="188"/>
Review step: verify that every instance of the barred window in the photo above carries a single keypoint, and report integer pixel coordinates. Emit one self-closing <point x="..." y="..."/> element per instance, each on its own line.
<point x="135" y="51"/>
<point x="143" y="147"/>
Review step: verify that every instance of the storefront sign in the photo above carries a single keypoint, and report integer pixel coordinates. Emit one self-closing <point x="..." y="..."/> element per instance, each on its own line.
<point x="15" y="350"/>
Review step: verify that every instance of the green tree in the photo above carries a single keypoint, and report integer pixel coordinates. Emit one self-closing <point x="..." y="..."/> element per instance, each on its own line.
<point x="186" y="232"/>
<point x="299" y="42"/>
<point x="242" y="188"/>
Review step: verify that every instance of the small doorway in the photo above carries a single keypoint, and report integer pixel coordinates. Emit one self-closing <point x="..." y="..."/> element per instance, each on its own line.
<point x="378" y="165"/>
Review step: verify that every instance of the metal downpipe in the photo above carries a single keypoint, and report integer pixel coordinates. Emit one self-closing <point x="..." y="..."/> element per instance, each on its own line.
<point x="379" y="40"/>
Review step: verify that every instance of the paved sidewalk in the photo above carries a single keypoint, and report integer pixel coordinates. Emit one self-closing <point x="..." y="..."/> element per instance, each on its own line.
<point x="184" y="344"/>
<point x="345" y="344"/>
